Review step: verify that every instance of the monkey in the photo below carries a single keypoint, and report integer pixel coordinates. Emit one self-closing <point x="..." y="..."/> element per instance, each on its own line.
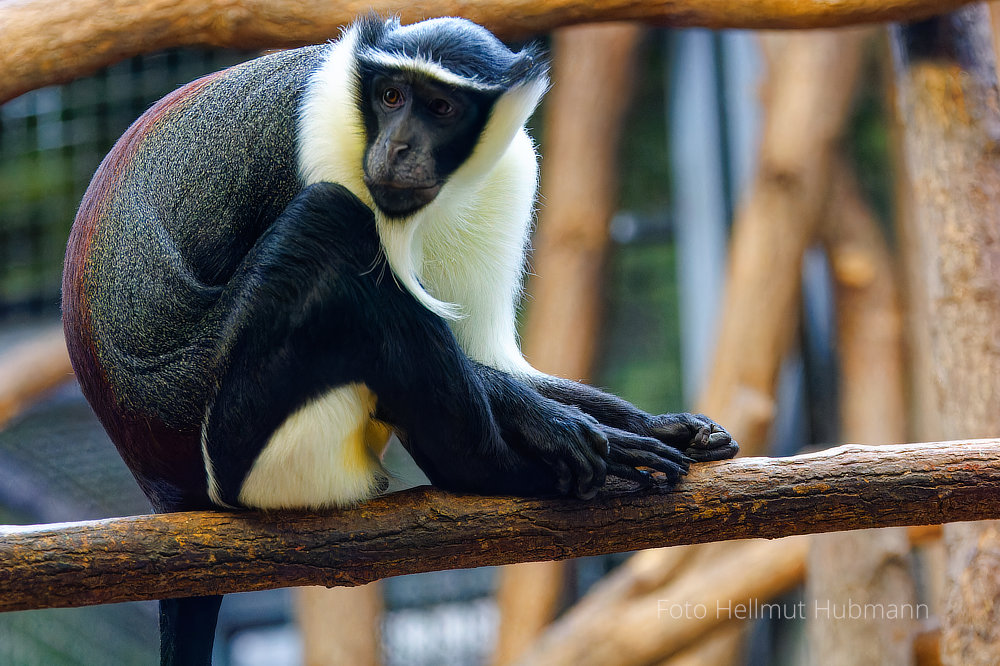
<point x="280" y="265"/>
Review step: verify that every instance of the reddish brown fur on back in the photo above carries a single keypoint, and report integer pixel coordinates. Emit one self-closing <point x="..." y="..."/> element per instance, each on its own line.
<point x="134" y="437"/>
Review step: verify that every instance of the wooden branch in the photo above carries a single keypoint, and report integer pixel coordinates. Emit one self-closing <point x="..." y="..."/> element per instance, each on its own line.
<point x="654" y="626"/>
<point x="53" y="41"/>
<point x="150" y="557"/>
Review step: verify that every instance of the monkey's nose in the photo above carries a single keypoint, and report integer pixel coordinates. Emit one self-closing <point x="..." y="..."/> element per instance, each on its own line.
<point x="396" y="148"/>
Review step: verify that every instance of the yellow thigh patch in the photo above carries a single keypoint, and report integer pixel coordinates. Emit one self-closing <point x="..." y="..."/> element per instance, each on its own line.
<point x="326" y="454"/>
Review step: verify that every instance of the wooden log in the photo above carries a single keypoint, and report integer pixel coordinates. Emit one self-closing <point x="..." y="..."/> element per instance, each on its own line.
<point x="806" y="98"/>
<point x="185" y="554"/>
<point x="810" y="84"/>
<point x="764" y="570"/>
<point x="53" y="41"/>
<point x="949" y="106"/>
<point x="31" y="368"/>
<point x="592" y="72"/>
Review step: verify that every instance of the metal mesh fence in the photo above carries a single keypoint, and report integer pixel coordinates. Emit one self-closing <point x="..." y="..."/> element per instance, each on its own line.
<point x="51" y="141"/>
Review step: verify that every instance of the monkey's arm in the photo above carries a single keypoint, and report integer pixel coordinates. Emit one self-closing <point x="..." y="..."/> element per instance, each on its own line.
<point x="310" y="310"/>
<point x="700" y="438"/>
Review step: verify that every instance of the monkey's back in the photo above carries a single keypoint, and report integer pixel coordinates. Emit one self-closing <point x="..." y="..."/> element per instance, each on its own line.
<point x="165" y="222"/>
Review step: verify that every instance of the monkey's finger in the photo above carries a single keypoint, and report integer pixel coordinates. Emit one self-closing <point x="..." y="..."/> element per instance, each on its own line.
<point x="599" y="442"/>
<point x="588" y="487"/>
<point x="677" y="430"/>
<point x="564" y="478"/>
<point x="641" y="477"/>
<point x="720" y="452"/>
<point x="709" y="434"/>
<point x="626" y="440"/>
<point x="635" y="458"/>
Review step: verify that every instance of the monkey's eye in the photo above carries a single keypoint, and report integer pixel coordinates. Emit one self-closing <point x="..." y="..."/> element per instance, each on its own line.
<point x="441" y="107"/>
<point x="392" y="97"/>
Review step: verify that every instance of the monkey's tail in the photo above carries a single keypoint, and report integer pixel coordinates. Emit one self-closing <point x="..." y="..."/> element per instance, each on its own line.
<point x="187" y="630"/>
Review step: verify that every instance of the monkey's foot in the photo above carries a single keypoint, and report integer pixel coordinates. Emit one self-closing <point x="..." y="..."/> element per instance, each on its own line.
<point x="570" y="443"/>
<point x="582" y="452"/>
<point x="699" y="437"/>
<point x="629" y="452"/>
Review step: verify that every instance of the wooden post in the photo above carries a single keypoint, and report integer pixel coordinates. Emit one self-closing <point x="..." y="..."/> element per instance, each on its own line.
<point x="949" y="108"/>
<point x="592" y="73"/>
<point x="869" y="566"/>
<point x="806" y="98"/>
<point x="339" y="625"/>
<point x="811" y="80"/>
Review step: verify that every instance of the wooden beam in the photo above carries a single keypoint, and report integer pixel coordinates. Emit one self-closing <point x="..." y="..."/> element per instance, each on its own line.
<point x="423" y="529"/>
<point x="54" y="41"/>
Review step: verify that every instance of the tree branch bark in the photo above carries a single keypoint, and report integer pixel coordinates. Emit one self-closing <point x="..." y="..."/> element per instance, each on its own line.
<point x="173" y="555"/>
<point x="52" y="41"/>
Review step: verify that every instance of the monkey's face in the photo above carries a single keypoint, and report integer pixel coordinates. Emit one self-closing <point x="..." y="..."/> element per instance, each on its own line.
<point x="419" y="132"/>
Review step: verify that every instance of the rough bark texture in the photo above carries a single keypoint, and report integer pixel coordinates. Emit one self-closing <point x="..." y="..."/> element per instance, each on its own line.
<point x="592" y="70"/>
<point x="184" y="554"/>
<point x="866" y="566"/>
<point x="339" y="625"/>
<point x="950" y="110"/>
<point x="30" y="368"/>
<point x="53" y="41"/>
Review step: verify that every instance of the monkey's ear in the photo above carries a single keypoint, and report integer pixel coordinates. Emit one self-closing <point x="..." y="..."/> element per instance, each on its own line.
<point x="529" y="66"/>
<point x="372" y="27"/>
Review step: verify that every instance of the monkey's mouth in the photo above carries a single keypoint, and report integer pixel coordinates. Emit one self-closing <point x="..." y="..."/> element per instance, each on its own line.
<point x="399" y="199"/>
